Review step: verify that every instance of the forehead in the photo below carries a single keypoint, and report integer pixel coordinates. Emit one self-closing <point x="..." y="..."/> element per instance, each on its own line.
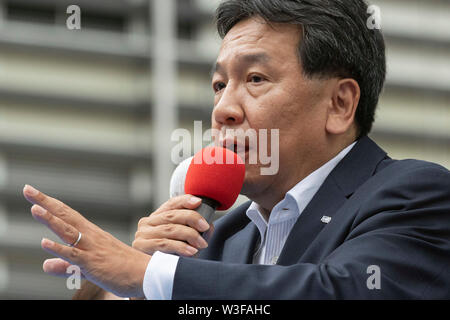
<point x="256" y="35"/>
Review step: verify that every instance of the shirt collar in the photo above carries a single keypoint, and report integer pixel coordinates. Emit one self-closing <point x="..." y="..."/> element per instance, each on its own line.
<point x="297" y="198"/>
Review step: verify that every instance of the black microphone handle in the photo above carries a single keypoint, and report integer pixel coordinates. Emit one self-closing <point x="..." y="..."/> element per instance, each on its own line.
<point x="207" y="209"/>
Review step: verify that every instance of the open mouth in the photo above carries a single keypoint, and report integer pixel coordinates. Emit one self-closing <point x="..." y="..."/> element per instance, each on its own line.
<point x="239" y="146"/>
<point x="240" y="149"/>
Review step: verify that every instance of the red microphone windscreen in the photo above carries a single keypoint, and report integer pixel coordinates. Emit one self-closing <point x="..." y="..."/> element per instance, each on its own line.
<point x="216" y="173"/>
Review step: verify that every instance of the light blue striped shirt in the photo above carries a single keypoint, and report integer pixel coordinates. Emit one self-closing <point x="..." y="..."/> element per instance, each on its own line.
<point x="283" y="216"/>
<point x="160" y="273"/>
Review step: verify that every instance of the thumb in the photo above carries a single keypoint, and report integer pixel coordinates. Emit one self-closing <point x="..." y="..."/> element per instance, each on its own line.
<point x="57" y="267"/>
<point x="185" y="201"/>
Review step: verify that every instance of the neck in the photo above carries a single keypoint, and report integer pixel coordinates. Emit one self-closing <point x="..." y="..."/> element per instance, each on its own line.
<point x="287" y="179"/>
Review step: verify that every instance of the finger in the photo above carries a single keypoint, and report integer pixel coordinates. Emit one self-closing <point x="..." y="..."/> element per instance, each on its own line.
<point x="184" y="217"/>
<point x="63" y="230"/>
<point x="208" y="234"/>
<point x="164" y="245"/>
<point x="174" y="232"/>
<point x="185" y="201"/>
<point x="55" y="206"/>
<point x="57" y="267"/>
<point x="70" y="254"/>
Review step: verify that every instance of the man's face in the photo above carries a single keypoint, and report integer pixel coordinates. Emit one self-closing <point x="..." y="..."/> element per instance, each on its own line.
<point x="259" y="84"/>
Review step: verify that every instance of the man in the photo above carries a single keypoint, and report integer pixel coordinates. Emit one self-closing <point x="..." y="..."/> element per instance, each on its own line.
<point x="340" y="219"/>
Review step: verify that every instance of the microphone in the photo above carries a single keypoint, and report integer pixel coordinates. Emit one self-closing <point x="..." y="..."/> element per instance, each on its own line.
<point x="215" y="175"/>
<point x="178" y="178"/>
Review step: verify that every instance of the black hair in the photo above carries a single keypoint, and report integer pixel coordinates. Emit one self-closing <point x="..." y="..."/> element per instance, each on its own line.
<point x="336" y="41"/>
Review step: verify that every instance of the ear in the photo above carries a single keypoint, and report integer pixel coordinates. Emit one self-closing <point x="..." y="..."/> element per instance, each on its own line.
<point x="341" y="111"/>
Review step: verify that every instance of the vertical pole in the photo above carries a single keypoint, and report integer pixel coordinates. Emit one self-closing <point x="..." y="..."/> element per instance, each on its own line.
<point x="163" y="15"/>
<point x="2" y="13"/>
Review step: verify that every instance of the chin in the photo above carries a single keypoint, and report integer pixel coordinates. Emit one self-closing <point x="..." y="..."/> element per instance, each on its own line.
<point x="254" y="183"/>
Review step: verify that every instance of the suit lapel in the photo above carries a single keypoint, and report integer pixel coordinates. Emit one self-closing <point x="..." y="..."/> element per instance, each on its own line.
<point x="358" y="166"/>
<point x="240" y="247"/>
<point x="328" y="199"/>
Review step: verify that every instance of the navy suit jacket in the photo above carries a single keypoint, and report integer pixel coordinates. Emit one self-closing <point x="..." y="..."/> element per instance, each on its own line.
<point x="391" y="214"/>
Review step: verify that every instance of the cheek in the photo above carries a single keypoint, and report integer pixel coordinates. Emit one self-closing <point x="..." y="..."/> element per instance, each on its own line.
<point x="268" y="112"/>
<point x="300" y="113"/>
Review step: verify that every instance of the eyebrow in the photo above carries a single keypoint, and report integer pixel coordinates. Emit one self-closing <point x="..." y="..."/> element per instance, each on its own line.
<point x="247" y="59"/>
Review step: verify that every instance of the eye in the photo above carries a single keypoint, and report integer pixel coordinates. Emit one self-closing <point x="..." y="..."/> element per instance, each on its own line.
<point x="218" y="86"/>
<point x="256" y="79"/>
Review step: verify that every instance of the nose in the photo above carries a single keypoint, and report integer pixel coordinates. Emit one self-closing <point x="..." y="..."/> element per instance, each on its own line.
<point x="229" y="111"/>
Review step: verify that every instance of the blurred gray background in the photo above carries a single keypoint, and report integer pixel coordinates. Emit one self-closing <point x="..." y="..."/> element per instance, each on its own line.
<point x="86" y="115"/>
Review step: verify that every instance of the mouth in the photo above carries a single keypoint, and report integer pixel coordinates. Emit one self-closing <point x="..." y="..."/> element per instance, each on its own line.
<point x="237" y="145"/>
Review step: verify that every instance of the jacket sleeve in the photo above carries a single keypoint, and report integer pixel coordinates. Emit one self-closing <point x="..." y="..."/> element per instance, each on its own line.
<point x="402" y="228"/>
